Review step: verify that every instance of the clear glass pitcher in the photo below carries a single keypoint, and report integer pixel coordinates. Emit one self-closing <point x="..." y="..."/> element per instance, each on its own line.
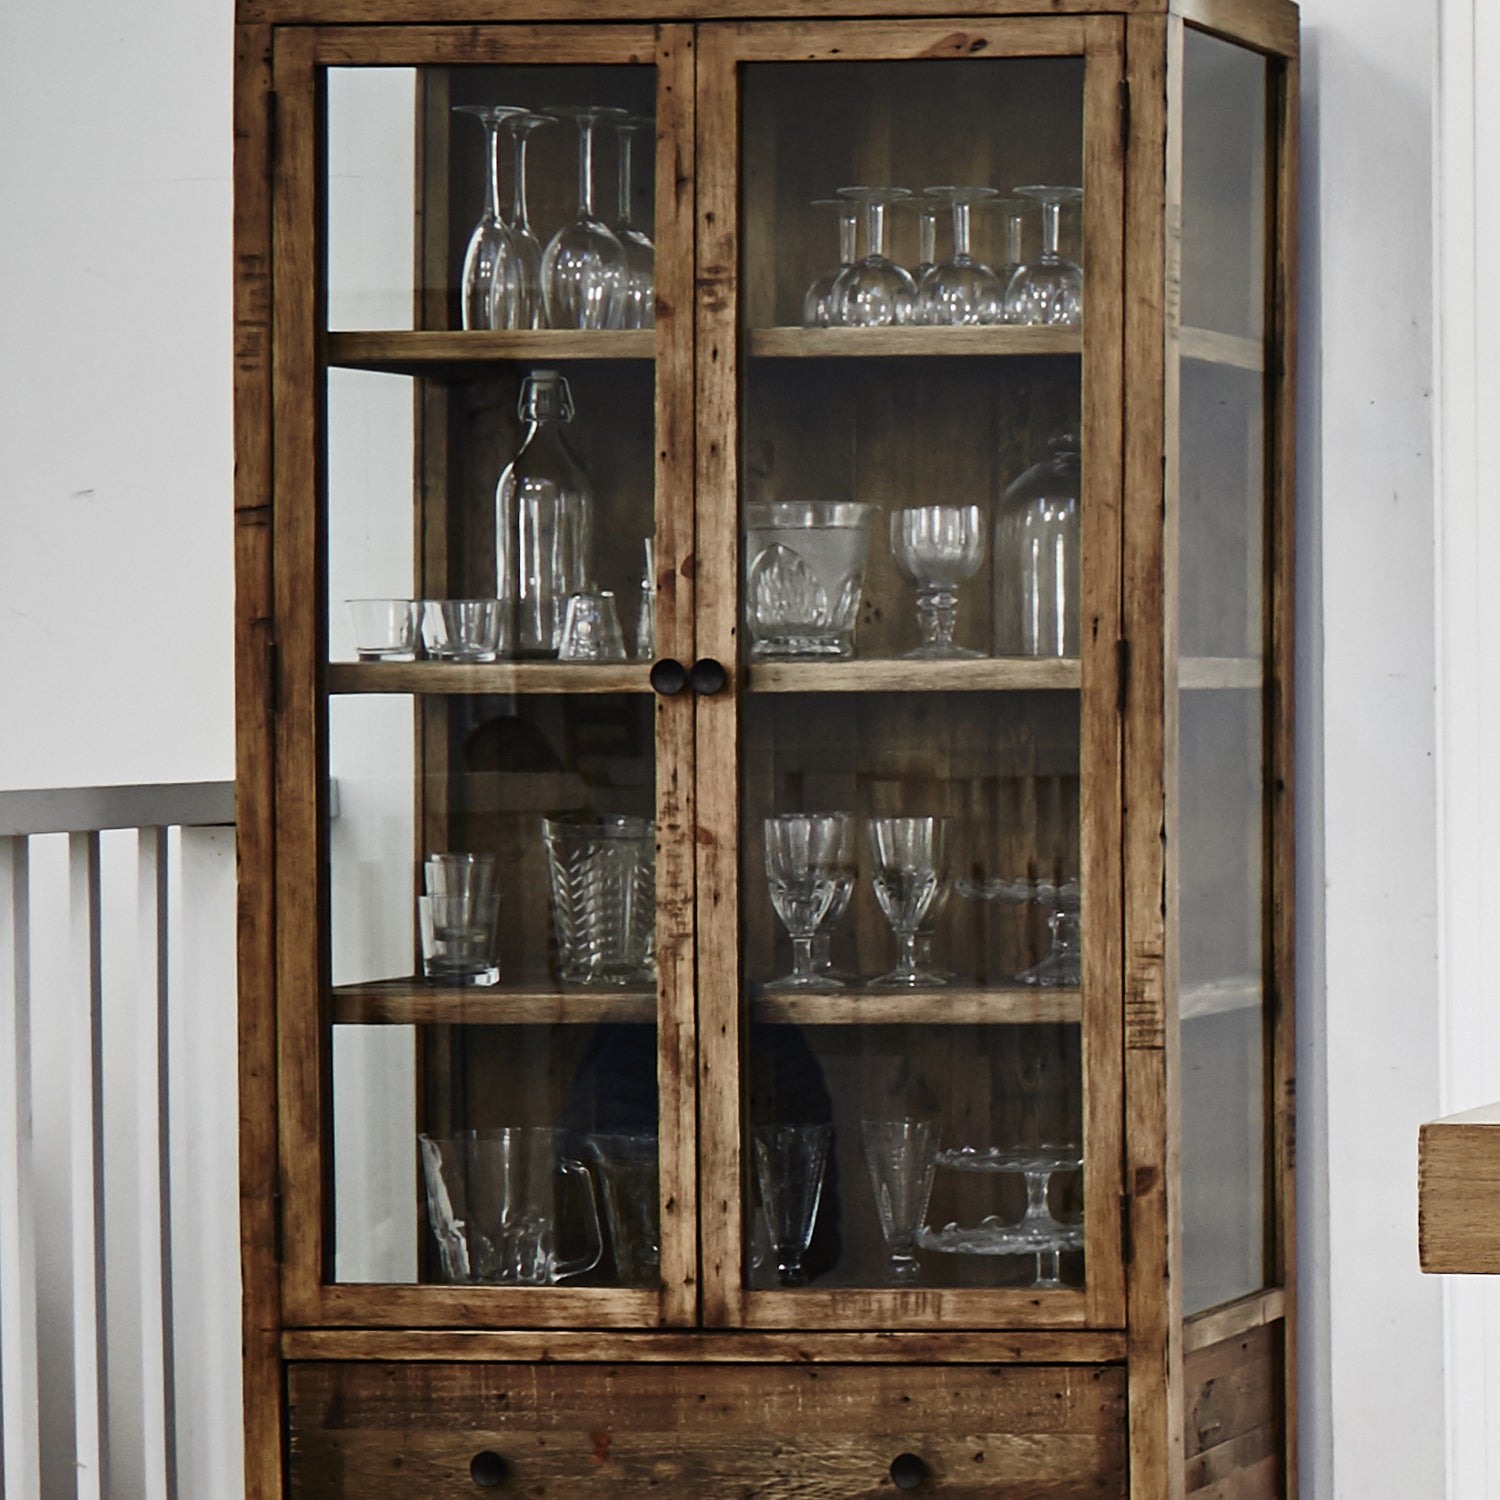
<point x="497" y="1203"/>
<point x="1036" y="558"/>
<point x="544" y="524"/>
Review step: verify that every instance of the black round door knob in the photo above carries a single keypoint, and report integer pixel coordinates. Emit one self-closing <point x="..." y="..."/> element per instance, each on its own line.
<point x="707" y="677"/>
<point x="908" y="1471"/>
<point x="488" y="1470"/>
<point x="668" y="676"/>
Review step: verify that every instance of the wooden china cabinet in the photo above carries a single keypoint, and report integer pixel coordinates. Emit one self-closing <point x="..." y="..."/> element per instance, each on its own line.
<point x="877" y="1067"/>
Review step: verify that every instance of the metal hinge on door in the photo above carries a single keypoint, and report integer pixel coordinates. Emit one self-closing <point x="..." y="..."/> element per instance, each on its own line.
<point x="1122" y="675"/>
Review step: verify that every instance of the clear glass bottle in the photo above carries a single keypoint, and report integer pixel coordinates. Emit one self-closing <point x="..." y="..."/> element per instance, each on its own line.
<point x="1036" y="558"/>
<point x="544" y="524"/>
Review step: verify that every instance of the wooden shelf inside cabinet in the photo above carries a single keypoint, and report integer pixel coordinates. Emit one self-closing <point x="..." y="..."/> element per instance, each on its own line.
<point x="487" y="677"/>
<point x="1458" y="1174"/>
<point x="990" y="674"/>
<point x="415" y="1002"/>
<point x="954" y="1005"/>
<point x="1211" y="348"/>
<point x="911" y="343"/>
<point x="1199" y="672"/>
<point x="455" y="355"/>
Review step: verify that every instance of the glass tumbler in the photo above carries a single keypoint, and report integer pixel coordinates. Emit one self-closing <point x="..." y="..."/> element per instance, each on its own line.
<point x="790" y="1161"/>
<point x="603" y="878"/>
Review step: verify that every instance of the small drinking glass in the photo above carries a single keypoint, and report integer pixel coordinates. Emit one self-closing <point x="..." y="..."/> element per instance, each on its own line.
<point x="460" y="629"/>
<point x="805" y="855"/>
<point x="790" y="1161"/>
<point x="523" y="305"/>
<point x="874" y="292"/>
<point x="456" y="915"/>
<point x="603" y="877"/>
<point x="591" y="629"/>
<point x="384" y="629"/>
<point x="909" y="866"/>
<point x="488" y="259"/>
<point x="900" y="1155"/>
<point x="936" y="547"/>
<point x="961" y="290"/>
<point x="584" y="263"/>
<point x="1048" y="290"/>
<point x="818" y="308"/>
<point x="638" y="284"/>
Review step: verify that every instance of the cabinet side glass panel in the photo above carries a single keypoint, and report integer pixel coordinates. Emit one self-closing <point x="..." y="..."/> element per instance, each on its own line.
<point x="1221" y="625"/>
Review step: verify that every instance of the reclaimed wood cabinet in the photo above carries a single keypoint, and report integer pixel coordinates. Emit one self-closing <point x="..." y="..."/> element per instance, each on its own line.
<point x="834" y="1031"/>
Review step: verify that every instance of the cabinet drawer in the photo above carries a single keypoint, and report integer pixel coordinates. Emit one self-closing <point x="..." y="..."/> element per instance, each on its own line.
<point x="706" y="1432"/>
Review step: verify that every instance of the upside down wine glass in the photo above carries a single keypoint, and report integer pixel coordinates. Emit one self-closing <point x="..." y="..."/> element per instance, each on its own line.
<point x="961" y="290"/>
<point x="818" y="306"/>
<point x="489" y="257"/>
<point x="523" y="306"/>
<point x="584" y="263"/>
<point x="1012" y="213"/>
<point x="638" y="285"/>
<point x="1048" y="290"/>
<point x="875" y="292"/>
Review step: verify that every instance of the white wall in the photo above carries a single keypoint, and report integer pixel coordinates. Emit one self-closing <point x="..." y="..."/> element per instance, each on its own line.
<point x="115" y="363"/>
<point x="115" y="482"/>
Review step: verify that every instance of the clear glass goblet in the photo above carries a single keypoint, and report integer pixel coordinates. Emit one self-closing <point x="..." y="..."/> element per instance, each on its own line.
<point x="846" y="874"/>
<point x="961" y="290"/>
<point x="874" y="292"/>
<point x="900" y="1156"/>
<point x="584" y="264"/>
<point x="638" y="288"/>
<point x="1048" y="290"/>
<point x="524" y="305"/>
<point x="489" y="256"/>
<point x="936" y="547"/>
<point x="909" y="866"/>
<point x="805" y="853"/>
<point x="1063" y="965"/>
<point x="818" y="306"/>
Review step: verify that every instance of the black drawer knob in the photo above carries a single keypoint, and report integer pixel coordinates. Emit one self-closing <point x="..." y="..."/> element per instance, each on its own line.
<point x="707" y="677"/>
<point x="668" y="676"/>
<point x="908" y="1471"/>
<point x="488" y="1470"/>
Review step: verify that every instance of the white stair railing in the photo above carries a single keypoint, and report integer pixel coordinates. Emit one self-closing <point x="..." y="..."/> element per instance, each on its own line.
<point x="119" y="1286"/>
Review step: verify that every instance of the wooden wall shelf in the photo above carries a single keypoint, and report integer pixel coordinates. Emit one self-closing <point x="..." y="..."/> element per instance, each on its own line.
<point x="454" y="355"/>
<point x="487" y="677"/>
<point x="414" y="1002"/>
<point x="911" y="343"/>
<point x="1013" y="1005"/>
<point x="1458" y="1193"/>
<point x="988" y="674"/>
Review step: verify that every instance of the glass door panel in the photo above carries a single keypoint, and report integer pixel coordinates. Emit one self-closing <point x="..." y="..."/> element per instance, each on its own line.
<point x="490" y="541"/>
<point x="925" y="562"/>
<point x="1222" y="803"/>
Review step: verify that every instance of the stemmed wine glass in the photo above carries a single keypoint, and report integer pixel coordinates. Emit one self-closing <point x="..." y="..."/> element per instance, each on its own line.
<point x="818" y="308"/>
<point x="638" y="288"/>
<point x="909" y="866"/>
<point x="805" y="854"/>
<point x="489" y="258"/>
<point x="874" y="292"/>
<point x="524" y="306"/>
<point x="845" y="874"/>
<point x="936" y="547"/>
<point x="961" y="290"/>
<point x="1048" y="290"/>
<point x="584" y="264"/>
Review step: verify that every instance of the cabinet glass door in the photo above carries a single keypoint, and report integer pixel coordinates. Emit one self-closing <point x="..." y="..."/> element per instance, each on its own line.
<point x="480" y="478"/>
<point x="910" y="527"/>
